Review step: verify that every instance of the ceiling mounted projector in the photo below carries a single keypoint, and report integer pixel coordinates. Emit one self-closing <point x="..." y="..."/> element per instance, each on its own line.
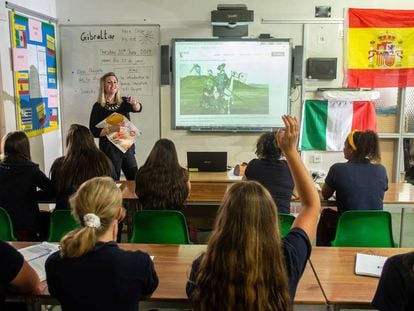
<point x="231" y="15"/>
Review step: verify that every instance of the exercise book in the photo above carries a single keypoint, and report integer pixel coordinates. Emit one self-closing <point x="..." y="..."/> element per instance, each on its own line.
<point x="370" y="265"/>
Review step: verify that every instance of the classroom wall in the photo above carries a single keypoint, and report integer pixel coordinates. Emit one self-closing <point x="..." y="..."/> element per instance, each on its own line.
<point x="44" y="148"/>
<point x="191" y="19"/>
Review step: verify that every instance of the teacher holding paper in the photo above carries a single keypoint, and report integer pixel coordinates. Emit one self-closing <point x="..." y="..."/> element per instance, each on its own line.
<point x="110" y="101"/>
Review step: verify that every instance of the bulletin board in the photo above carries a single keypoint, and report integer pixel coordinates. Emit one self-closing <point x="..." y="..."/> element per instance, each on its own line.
<point x="35" y="74"/>
<point x="133" y="53"/>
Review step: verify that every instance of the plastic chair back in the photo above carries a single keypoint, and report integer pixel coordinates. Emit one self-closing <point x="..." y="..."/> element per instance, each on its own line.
<point x="61" y="222"/>
<point x="285" y="223"/>
<point x="159" y="227"/>
<point x="6" y="226"/>
<point x="364" y="229"/>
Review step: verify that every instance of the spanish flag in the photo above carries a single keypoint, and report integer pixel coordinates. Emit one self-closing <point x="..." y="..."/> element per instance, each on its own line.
<point x="380" y="48"/>
<point x="326" y="124"/>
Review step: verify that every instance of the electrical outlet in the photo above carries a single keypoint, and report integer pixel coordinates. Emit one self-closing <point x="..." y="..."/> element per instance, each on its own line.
<point x="317" y="158"/>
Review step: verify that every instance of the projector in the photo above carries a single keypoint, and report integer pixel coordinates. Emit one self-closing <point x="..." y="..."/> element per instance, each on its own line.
<point x="229" y="14"/>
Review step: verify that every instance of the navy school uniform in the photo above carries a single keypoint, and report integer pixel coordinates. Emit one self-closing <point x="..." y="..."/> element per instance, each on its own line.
<point x="297" y="249"/>
<point x="105" y="278"/>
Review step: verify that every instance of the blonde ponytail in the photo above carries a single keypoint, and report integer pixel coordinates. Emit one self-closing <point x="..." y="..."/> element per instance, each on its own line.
<point x="98" y="196"/>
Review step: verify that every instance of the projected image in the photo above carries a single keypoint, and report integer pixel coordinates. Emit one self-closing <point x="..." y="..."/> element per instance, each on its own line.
<point x="221" y="90"/>
<point x="230" y="84"/>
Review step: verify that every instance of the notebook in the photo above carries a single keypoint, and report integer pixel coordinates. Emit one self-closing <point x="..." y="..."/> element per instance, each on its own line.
<point x="215" y="161"/>
<point x="36" y="256"/>
<point x="370" y="265"/>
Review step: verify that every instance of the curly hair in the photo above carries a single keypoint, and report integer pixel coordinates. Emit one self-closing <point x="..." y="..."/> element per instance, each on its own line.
<point x="244" y="265"/>
<point x="266" y="147"/>
<point x="364" y="145"/>
<point x="161" y="183"/>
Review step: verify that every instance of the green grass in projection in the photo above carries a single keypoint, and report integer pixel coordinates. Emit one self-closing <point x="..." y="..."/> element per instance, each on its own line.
<point x="200" y="96"/>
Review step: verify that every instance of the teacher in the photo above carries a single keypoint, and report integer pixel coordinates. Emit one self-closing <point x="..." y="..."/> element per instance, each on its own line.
<point x="110" y="101"/>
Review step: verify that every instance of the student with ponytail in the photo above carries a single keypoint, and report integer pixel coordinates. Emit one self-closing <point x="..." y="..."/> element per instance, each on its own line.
<point x="91" y="272"/>
<point x="247" y="266"/>
<point x="361" y="182"/>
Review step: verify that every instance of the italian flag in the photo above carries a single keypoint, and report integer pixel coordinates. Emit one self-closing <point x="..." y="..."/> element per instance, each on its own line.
<point x="326" y="124"/>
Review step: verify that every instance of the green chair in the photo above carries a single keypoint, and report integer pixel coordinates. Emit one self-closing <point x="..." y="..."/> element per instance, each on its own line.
<point x="6" y="226"/>
<point x="61" y="222"/>
<point x="364" y="229"/>
<point x="159" y="227"/>
<point x="285" y="223"/>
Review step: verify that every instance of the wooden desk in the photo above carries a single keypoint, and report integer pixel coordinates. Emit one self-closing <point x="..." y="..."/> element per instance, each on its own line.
<point x="210" y="187"/>
<point x="334" y="268"/>
<point x="205" y="186"/>
<point x="173" y="265"/>
<point x="207" y="190"/>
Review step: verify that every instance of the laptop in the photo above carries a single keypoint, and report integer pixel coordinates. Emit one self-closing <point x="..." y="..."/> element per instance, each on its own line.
<point x="207" y="161"/>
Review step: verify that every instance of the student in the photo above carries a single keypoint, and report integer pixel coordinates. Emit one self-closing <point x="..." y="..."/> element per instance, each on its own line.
<point x="19" y="180"/>
<point x="91" y="272"/>
<point x="247" y="266"/>
<point x="272" y="172"/>
<point x="16" y="274"/>
<point x="110" y="101"/>
<point x="361" y="182"/>
<point x="82" y="161"/>
<point x="395" y="289"/>
<point x="161" y="183"/>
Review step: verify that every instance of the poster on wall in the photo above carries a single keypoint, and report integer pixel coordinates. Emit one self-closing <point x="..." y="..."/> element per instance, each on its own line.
<point x="35" y="74"/>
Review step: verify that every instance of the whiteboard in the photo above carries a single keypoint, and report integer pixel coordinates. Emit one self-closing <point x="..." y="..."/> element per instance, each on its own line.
<point x="133" y="53"/>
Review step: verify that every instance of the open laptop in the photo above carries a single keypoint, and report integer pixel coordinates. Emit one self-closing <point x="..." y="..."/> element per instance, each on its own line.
<point x="207" y="161"/>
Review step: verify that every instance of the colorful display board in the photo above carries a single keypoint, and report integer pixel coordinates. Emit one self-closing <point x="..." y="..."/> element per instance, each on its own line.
<point x="35" y="74"/>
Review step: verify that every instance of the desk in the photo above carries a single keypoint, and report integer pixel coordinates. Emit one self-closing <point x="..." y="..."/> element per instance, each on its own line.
<point x="210" y="187"/>
<point x="206" y="187"/>
<point x="334" y="268"/>
<point x="173" y="264"/>
<point x="207" y="191"/>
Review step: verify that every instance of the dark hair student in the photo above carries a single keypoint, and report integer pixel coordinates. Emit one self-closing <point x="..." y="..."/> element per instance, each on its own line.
<point x="20" y="180"/>
<point x="271" y="171"/>
<point x="161" y="183"/>
<point x="361" y="182"/>
<point x="82" y="161"/>
<point x="90" y="261"/>
<point x="247" y="266"/>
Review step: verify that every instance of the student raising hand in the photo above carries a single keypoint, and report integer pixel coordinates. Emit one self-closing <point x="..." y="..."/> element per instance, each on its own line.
<point x="287" y="139"/>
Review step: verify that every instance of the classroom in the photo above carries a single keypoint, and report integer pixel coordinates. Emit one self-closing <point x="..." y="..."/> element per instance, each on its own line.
<point x="154" y="63"/>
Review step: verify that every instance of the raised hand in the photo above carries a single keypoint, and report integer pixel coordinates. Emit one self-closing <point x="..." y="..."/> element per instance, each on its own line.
<point x="287" y="138"/>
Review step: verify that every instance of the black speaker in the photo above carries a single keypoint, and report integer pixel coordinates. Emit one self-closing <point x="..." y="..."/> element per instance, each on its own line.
<point x="321" y="68"/>
<point x="297" y="65"/>
<point x="165" y="64"/>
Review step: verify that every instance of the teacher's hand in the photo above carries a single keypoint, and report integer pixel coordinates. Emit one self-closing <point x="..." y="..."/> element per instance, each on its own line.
<point x="134" y="103"/>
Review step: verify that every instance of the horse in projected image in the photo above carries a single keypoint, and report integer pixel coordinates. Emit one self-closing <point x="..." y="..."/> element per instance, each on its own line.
<point x="218" y="96"/>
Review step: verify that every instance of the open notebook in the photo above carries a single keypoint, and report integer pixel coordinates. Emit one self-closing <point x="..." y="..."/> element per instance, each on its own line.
<point x="370" y="265"/>
<point x="36" y="256"/>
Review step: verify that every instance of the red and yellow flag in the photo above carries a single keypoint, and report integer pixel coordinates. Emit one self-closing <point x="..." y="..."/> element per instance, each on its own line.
<point x="380" y="48"/>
